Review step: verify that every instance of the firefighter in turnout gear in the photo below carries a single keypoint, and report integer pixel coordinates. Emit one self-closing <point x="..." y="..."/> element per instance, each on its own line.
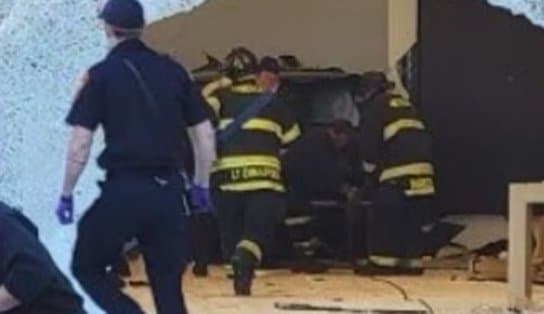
<point x="247" y="185"/>
<point x="396" y="148"/>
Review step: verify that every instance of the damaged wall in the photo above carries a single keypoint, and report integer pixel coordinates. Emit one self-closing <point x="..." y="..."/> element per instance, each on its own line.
<point x="348" y="33"/>
<point x="533" y="10"/>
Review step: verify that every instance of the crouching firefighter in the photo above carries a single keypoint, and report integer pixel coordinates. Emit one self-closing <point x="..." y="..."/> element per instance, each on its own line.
<point x="396" y="147"/>
<point x="253" y="125"/>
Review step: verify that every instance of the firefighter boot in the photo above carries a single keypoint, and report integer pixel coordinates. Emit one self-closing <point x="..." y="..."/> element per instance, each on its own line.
<point x="305" y="257"/>
<point x="200" y="270"/>
<point x="243" y="265"/>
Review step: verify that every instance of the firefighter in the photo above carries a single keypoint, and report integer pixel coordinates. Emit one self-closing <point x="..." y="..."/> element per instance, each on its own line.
<point x="396" y="147"/>
<point x="247" y="186"/>
<point x="316" y="168"/>
<point x="143" y="101"/>
<point x="324" y="149"/>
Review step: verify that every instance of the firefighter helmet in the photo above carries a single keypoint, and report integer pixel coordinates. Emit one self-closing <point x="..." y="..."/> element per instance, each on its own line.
<point x="240" y="62"/>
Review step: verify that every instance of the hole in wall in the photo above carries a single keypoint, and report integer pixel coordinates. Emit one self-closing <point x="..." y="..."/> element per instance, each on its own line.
<point x="533" y="10"/>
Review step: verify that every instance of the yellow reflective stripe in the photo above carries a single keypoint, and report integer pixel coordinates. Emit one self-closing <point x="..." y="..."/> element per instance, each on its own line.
<point x="247" y="78"/>
<point x="247" y="160"/>
<point x="252" y="248"/>
<point x="291" y="135"/>
<point x="212" y="87"/>
<point x="298" y="221"/>
<point x="224" y="123"/>
<point x="256" y="124"/>
<point x="229" y="271"/>
<point x="384" y="261"/>
<point x="369" y="167"/>
<point x="387" y="261"/>
<point x="214" y="103"/>
<point x="395" y="127"/>
<point x="413" y="263"/>
<point x="253" y="186"/>
<point x="420" y="192"/>
<point x="246" y="89"/>
<point x="399" y="102"/>
<point x="416" y="169"/>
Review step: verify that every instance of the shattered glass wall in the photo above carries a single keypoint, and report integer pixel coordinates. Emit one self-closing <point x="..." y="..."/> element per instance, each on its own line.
<point x="532" y="9"/>
<point x="44" y="46"/>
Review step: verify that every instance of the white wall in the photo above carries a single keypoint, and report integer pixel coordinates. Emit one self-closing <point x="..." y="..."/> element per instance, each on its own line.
<point x="348" y="33"/>
<point x="44" y="45"/>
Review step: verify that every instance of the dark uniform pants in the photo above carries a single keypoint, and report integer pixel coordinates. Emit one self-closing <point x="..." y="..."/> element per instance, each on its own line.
<point x="395" y="236"/>
<point x="148" y="207"/>
<point x="250" y="217"/>
<point x="204" y="238"/>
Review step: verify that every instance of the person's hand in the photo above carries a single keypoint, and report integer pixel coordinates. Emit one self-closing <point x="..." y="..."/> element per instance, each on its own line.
<point x="200" y="200"/>
<point x="65" y="210"/>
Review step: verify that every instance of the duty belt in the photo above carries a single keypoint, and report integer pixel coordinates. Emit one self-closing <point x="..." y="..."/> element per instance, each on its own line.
<point x="140" y="172"/>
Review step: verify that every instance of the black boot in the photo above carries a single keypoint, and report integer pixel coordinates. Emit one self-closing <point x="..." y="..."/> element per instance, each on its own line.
<point x="243" y="265"/>
<point x="200" y="270"/>
<point x="122" y="268"/>
<point x="305" y="257"/>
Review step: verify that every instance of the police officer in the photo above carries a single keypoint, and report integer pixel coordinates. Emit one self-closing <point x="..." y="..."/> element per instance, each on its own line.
<point x="30" y="282"/>
<point x="396" y="146"/>
<point x="144" y="102"/>
<point x="247" y="184"/>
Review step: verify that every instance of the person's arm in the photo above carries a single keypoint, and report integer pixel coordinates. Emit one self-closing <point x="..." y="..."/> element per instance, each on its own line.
<point x="209" y="93"/>
<point x="371" y="138"/>
<point x="199" y="130"/>
<point x="202" y="138"/>
<point x="28" y="277"/>
<point x="7" y="301"/>
<point x="79" y="149"/>
<point x="25" y="264"/>
<point x="290" y="127"/>
<point x="84" y="117"/>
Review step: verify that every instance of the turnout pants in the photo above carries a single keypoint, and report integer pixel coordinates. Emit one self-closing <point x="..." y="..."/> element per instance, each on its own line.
<point x="248" y="220"/>
<point x="147" y="206"/>
<point x="395" y="237"/>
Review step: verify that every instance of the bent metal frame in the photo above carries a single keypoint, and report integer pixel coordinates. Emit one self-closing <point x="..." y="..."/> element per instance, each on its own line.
<point x="522" y="197"/>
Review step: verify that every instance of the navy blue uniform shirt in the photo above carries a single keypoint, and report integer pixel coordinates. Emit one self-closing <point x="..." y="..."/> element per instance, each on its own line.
<point x="138" y="134"/>
<point x="28" y="271"/>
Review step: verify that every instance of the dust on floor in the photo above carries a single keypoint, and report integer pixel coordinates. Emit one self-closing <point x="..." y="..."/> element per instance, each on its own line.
<point x="443" y="291"/>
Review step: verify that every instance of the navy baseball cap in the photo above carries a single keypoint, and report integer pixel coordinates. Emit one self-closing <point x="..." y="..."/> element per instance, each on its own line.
<point x="123" y="14"/>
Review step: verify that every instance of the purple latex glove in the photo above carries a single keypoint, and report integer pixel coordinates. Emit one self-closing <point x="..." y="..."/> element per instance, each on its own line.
<point x="65" y="210"/>
<point x="200" y="200"/>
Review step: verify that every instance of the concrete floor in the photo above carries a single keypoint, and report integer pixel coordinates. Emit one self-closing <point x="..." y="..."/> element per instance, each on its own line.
<point x="444" y="291"/>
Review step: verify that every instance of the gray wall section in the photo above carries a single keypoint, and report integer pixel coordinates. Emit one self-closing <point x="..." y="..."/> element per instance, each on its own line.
<point x="348" y="33"/>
